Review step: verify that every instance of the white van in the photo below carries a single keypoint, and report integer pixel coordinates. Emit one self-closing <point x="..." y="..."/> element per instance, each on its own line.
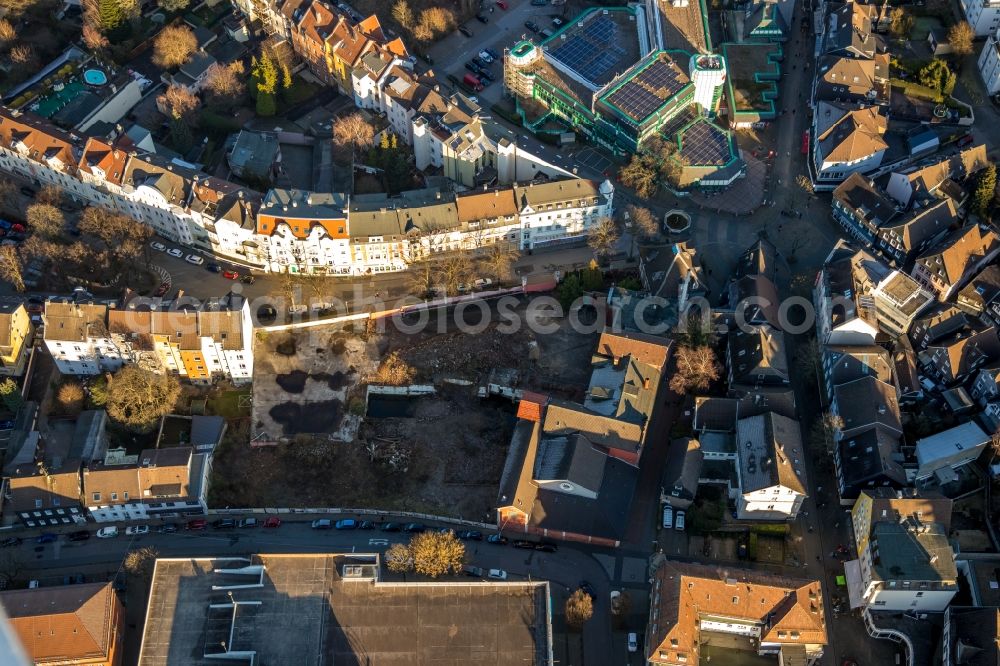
<point x="668" y="517"/>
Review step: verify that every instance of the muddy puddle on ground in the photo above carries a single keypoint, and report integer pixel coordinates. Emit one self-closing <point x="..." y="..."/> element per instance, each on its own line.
<point x="314" y="417"/>
<point x="295" y="382"/>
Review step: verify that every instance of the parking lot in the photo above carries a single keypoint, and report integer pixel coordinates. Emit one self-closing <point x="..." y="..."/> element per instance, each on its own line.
<point x="504" y="29"/>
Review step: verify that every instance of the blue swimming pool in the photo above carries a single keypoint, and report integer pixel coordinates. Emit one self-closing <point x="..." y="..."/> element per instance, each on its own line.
<point x="95" y="77"/>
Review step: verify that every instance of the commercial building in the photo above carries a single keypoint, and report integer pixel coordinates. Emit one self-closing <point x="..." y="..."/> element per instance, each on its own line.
<point x="316" y="609"/>
<point x="69" y="624"/>
<point x="749" y="610"/>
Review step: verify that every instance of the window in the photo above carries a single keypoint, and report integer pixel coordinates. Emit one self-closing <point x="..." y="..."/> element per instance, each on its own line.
<point x="114" y="497"/>
<point x="125" y="496"/>
<point x="97" y="497"/>
<point x="736" y="600"/>
<point x="38" y="504"/>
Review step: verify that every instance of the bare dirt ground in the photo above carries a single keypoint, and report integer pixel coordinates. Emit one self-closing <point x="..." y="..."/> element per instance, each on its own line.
<point x="304" y="380"/>
<point x="440" y="454"/>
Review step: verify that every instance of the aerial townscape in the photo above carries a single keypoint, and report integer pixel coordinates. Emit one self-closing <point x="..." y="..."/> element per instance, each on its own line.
<point x="499" y="332"/>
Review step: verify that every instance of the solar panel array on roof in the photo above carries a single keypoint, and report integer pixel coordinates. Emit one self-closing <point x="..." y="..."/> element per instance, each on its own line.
<point x="649" y="89"/>
<point x="593" y="51"/>
<point x="705" y="144"/>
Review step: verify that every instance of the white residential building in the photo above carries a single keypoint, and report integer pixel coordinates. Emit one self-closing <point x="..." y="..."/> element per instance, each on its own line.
<point x="848" y="140"/>
<point x="78" y="338"/>
<point x="939" y="454"/>
<point x="304" y="232"/>
<point x="982" y="15"/>
<point x="557" y="211"/>
<point x="770" y="469"/>
<point x="845" y="309"/>
<point x="159" y="483"/>
<point x="989" y="62"/>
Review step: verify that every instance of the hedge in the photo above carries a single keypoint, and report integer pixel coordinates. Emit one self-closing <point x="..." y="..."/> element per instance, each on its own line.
<point x="917" y="90"/>
<point x="778" y="529"/>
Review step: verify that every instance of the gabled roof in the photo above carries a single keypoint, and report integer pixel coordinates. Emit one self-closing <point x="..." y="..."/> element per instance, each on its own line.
<point x="648" y="349"/>
<point x="557" y="193"/>
<point x="72" y="322"/>
<point x="919" y="226"/>
<point x="32" y="490"/>
<point x="869" y="455"/>
<point x="847" y="363"/>
<point x="159" y="473"/>
<point x="64" y="624"/>
<point x="770" y="453"/>
<point x="982" y="290"/>
<point x="868" y="402"/>
<point x="42" y="140"/>
<point x="958" y="167"/>
<point x="859" y="195"/>
<point x="851" y="30"/>
<point x="486" y="205"/>
<point x="759" y="259"/>
<point x="963" y="352"/>
<point x="758" y="351"/>
<point x="956" y="254"/>
<point x="888" y="504"/>
<point x="760" y="296"/>
<point x="101" y="155"/>
<point x="789" y="611"/>
<point x="850" y="134"/>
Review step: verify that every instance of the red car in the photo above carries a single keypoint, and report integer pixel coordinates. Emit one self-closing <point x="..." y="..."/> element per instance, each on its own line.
<point x="231" y="275"/>
<point x="502" y="5"/>
<point x="272" y="522"/>
<point x="198" y="524"/>
<point x="17" y="228"/>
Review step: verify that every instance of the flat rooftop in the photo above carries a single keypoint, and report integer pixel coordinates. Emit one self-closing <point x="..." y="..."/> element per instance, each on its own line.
<point x="326" y="610"/>
<point x="649" y="86"/>
<point x="598" y="44"/>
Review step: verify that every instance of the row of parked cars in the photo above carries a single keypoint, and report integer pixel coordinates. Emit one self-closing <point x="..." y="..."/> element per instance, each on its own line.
<point x="112" y="531"/>
<point x="672" y="519"/>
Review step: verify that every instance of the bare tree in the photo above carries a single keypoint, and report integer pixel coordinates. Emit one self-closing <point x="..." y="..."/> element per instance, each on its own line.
<point x="8" y="34"/>
<point x="398" y="558"/>
<point x="8" y="195"/>
<point x="141" y="562"/>
<point x="437" y="553"/>
<point x="45" y="220"/>
<point x="179" y="102"/>
<point x="225" y="84"/>
<point x="174" y="46"/>
<point x="697" y="368"/>
<point x="643" y="221"/>
<point x="393" y="371"/>
<point x="23" y="54"/>
<point x="579" y="609"/>
<point x="50" y="194"/>
<point x="603" y="236"/>
<point x="423" y="276"/>
<point x="354" y="131"/>
<point x="434" y="21"/>
<point x="403" y="14"/>
<point x="10" y="267"/>
<point x="960" y="37"/>
<point x="16" y="8"/>
<point x="500" y="259"/>
<point x="137" y="398"/>
<point x="455" y="271"/>
<point x="70" y="398"/>
<point x="93" y="38"/>
<point x="173" y="5"/>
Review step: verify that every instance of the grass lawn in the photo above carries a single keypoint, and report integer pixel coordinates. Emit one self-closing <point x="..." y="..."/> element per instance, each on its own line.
<point x="300" y="91"/>
<point x="227" y="404"/>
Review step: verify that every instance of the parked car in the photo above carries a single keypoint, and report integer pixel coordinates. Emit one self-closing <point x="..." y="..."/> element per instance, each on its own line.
<point x="28" y="192"/>
<point x="223" y="524"/>
<point x="346" y="524"/>
<point x="532" y="26"/>
<point x="272" y="522"/>
<point x="539" y="3"/>
<point x="391" y="527"/>
<point x="158" y="246"/>
<point x="470" y="570"/>
<point x="502" y="4"/>
<point x="10" y="541"/>
<point x="482" y="283"/>
<point x="633" y="642"/>
<point x="214" y="267"/>
<point x="366" y="525"/>
<point x="322" y="524"/>
<point x="498" y="574"/>
<point x="482" y="18"/>
<point x="493" y="54"/>
<point x="231" y="275"/>
<point x="414" y="528"/>
<point x="80" y="535"/>
<point x="485" y="76"/>
<point x="497" y="539"/>
<point x="109" y="532"/>
<point x="7" y="424"/>
<point x="668" y="517"/>
<point x="465" y="31"/>
<point x="248" y="279"/>
<point x="527" y="545"/>
<point x="472" y="67"/>
<point x="167" y="528"/>
<point x="46" y="537"/>
<point x="136" y="530"/>
<point x="679" y="522"/>
<point x="558" y="22"/>
<point x="197" y="524"/>
<point x="194" y="259"/>
<point x="175" y="252"/>
<point x="470" y="535"/>
<point x="588" y="590"/>
<point x="246" y="523"/>
<point x="546" y="547"/>
<point x="485" y="57"/>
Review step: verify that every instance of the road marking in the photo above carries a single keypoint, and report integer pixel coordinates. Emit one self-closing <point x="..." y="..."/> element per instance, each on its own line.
<point x="378" y="542"/>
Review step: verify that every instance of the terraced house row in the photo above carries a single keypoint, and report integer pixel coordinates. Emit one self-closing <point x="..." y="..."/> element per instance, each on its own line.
<point x="292" y="230"/>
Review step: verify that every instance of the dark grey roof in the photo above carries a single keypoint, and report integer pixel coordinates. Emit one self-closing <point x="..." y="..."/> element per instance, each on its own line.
<point x="206" y="430"/>
<point x="870" y="455"/>
<point x="847" y="363"/>
<point x="570" y="458"/>
<point x="758" y="356"/>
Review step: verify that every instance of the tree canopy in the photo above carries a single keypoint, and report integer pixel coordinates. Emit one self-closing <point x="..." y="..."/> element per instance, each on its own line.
<point x="138" y="398"/>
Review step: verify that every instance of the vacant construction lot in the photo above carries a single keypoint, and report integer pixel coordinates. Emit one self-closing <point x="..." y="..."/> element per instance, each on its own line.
<point x="440" y="454"/>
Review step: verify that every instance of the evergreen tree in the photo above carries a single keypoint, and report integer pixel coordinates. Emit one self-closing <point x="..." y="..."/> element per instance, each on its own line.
<point x="10" y="394"/>
<point x="982" y="198"/>
<point x="110" y="15"/>
<point x="254" y="77"/>
<point x="266" y="104"/>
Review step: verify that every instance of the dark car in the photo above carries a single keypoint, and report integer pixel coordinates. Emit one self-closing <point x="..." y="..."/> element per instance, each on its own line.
<point x="787" y="213"/>
<point x="493" y="54"/>
<point x="532" y="26"/>
<point x="198" y="524"/>
<point x="546" y="547"/>
<point x="472" y="67"/>
<point x="7" y="424"/>
<point x="587" y="589"/>
<point x="486" y="75"/>
<point x="167" y="528"/>
<point x="366" y="525"/>
<point x="223" y="524"/>
<point x="482" y="18"/>
<point x="82" y="535"/>
<point x="391" y="527"/>
<point x="414" y="528"/>
<point x="10" y="541"/>
<point x="46" y="537"/>
<point x="497" y="539"/>
<point x="427" y="58"/>
<point x="470" y="535"/>
<point x="28" y="192"/>
<point x="479" y="61"/>
<point x="465" y="31"/>
<point x="521" y="543"/>
<point x="214" y="267"/>
<point x="248" y="279"/>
